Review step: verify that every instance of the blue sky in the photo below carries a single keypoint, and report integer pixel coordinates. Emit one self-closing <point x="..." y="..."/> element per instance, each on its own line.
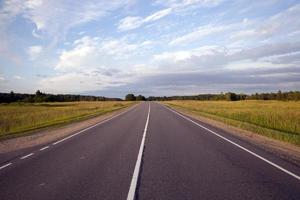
<point x="159" y="47"/>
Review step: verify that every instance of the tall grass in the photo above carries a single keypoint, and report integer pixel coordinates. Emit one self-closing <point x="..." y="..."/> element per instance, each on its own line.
<point x="277" y="119"/>
<point x="17" y="118"/>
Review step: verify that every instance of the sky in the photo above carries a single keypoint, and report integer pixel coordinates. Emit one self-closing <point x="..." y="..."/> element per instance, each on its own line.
<point x="160" y="47"/>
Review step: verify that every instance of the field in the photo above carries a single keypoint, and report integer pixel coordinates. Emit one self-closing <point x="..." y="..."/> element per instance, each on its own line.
<point x="276" y="119"/>
<point x="17" y="118"/>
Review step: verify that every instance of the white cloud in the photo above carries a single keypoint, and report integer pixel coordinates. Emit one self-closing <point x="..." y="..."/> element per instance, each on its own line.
<point x="35" y="34"/>
<point x="18" y="77"/>
<point x="81" y="33"/>
<point x="52" y="19"/>
<point x="129" y="23"/>
<point x="243" y="34"/>
<point x="205" y="57"/>
<point x="212" y="57"/>
<point x="280" y="24"/>
<point x="75" y="82"/>
<point x="34" y="52"/>
<point x="91" y="52"/>
<point x="45" y="14"/>
<point x="94" y="63"/>
<point x="266" y="50"/>
<point x="133" y="22"/>
<point x="200" y="32"/>
<point x="80" y="57"/>
<point x="157" y="15"/>
<point x="173" y="56"/>
<point x="2" y="78"/>
<point x="289" y="58"/>
<point x="187" y="3"/>
<point x="172" y="41"/>
<point x="8" y="12"/>
<point x="118" y="48"/>
<point x="83" y="81"/>
<point x="56" y="17"/>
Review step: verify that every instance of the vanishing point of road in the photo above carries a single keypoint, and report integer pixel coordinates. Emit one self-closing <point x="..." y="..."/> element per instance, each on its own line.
<point x="149" y="152"/>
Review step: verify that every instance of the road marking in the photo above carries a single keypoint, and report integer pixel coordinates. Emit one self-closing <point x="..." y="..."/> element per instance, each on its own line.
<point x="46" y="147"/>
<point x="70" y="136"/>
<point x="135" y="176"/>
<point x="239" y="146"/>
<point x="6" y="165"/>
<point x="42" y="149"/>
<point x="28" y="155"/>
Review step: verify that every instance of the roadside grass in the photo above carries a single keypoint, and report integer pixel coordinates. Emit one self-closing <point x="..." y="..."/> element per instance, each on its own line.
<point x="20" y="118"/>
<point x="276" y="119"/>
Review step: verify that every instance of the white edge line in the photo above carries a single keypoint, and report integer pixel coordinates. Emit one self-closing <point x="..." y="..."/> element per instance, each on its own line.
<point x="239" y="146"/>
<point x="70" y="136"/>
<point x="42" y="149"/>
<point x="26" y="156"/>
<point x="6" y="165"/>
<point x="135" y="176"/>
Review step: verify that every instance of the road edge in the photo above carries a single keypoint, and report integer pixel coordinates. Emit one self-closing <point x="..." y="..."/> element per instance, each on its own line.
<point x="284" y="150"/>
<point x="55" y="133"/>
<point x="277" y="166"/>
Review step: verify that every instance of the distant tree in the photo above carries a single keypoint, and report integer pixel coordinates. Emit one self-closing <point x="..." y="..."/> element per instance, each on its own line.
<point x="140" y="98"/>
<point x="12" y="96"/>
<point x="130" y="97"/>
<point x="38" y="93"/>
<point x="39" y="96"/>
<point x="230" y="96"/>
<point x="279" y="95"/>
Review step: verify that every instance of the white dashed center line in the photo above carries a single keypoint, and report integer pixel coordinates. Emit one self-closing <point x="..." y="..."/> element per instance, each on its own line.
<point x="28" y="155"/>
<point x="3" y="166"/>
<point x="42" y="149"/>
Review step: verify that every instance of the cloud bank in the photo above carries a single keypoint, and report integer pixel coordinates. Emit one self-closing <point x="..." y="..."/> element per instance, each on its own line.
<point x="154" y="48"/>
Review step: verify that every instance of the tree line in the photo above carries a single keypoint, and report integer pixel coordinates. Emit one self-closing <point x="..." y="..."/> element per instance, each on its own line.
<point x="43" y="97"/>
<point x="230" y="96"/>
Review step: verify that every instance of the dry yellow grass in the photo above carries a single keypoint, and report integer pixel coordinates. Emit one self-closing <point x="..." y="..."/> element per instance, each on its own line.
<point x="277" y="119"/>
<point x="18" y="118"/>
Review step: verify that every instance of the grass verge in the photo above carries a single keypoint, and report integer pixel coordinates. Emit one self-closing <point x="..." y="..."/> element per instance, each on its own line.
<point x="18" y="119"/>
<point x="275" y="119"/>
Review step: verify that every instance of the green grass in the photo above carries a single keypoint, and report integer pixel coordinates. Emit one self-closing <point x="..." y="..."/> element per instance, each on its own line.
<point x="276" y="119"/>
<point x="19" y="118"/>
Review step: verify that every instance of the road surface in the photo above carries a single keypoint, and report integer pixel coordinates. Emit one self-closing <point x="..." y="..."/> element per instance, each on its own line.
<point x="148" y="152"/>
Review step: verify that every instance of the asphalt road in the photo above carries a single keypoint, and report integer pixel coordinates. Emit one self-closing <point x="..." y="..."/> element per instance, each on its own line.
<point x="149" y="152"/>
